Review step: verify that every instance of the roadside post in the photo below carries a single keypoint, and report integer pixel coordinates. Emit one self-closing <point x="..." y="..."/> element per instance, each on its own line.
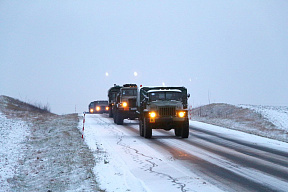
<point x="83" y="125"/>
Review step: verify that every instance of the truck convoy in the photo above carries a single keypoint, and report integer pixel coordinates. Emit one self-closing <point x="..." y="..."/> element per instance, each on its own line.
<point x="163" y="108"/>
<point x="155" y="107"/>
<point x="125" y="105"/>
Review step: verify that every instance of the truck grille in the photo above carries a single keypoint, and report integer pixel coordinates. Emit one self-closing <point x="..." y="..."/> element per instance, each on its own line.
<point x="132" y="102"/>
<point x="167" y="111"/>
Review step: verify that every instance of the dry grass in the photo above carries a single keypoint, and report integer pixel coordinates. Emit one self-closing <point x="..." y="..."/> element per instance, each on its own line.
<point x="56" y="158"/>
<point x="15" y="104"/>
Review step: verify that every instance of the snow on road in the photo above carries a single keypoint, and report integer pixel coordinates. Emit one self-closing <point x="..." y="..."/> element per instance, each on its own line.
<point x="254" y="145"/>
<point x="127" y="163"/>
<point x="246" y="137"/>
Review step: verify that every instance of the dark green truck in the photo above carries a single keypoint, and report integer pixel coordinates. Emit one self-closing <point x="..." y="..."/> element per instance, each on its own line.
<point x="163" y="108"/>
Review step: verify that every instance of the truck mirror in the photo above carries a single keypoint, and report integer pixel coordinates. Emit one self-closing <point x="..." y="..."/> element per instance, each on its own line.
<point x="188" y="95"/>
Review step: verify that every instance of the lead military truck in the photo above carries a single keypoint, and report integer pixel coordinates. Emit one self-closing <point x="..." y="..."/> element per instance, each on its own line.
<point x="163" y="108"/>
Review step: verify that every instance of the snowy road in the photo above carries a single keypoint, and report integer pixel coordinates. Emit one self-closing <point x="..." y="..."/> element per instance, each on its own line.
<point x="211" y="159"/>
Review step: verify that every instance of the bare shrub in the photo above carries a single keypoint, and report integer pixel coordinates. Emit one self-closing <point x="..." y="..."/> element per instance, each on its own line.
<point x="16" y="105"/>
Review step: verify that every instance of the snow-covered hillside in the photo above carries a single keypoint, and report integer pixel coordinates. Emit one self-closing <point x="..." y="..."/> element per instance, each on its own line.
<point x="277" y="115"/>
<point x="266" y="121"/>
<point x="42" y="151"/>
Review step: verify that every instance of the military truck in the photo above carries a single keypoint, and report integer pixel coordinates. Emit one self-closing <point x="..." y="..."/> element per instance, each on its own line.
<point x="125" y="107"/>
<point x="163" y="108"/>
<point x="112" y="95"/>
<point x="99" y="106"/>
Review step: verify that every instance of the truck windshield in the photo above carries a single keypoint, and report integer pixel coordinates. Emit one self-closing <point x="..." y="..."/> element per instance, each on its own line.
<point x="169" y="95"/>
<point x="129" y="92"/>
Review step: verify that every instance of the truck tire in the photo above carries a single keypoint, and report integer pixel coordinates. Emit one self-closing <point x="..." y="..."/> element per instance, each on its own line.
<point x="110" y="113"/>
<point x="147" y="129"/>
<point x="178" y="131"/>
<point x="114" y="118"/>
<point x="119" y="118"/>
<point x="141" y="129"/>
<point x="185" y="130"/>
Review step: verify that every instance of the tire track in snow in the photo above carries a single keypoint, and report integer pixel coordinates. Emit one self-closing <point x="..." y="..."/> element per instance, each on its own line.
<point x="148" y="159"/>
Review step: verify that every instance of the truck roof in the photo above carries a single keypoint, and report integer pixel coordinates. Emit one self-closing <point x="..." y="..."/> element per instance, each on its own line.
<point x="164" y="90"/>
<point x="99" y="101"/>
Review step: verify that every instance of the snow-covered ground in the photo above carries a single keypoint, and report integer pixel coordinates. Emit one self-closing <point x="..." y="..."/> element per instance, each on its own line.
<point x="46" y="153"/>
<point x="13" y="133"/>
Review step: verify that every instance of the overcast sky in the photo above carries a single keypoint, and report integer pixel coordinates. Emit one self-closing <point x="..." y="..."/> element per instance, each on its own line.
<point x="69" y="53"/>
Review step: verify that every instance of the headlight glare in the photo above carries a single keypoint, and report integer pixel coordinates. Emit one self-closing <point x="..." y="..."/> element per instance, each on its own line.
<point x="181" y="114"/>
<point x="97" y="108"/>
<point x="125" y="104"/>
<point x="152" y="114"/>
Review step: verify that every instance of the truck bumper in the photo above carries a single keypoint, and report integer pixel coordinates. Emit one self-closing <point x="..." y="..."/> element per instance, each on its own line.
<point x="167" y="122"/>
<point x="129" y="114"/>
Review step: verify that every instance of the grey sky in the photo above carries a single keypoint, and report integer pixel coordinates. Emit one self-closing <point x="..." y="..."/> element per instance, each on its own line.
<point x="58" y="52"/>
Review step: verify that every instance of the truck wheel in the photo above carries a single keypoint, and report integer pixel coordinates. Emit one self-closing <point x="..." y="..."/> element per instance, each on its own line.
<point x="119" y="119"/>
<point x="178" y="131"/>
<point x="114" y="118"/>
<point x="147" y="129"/>
<point x="110" y="113"/>
<point x="141" y="129"/>
<point x="185" y="130"/>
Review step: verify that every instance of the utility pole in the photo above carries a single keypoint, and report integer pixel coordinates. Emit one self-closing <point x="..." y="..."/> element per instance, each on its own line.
<point x="209" y="96"/>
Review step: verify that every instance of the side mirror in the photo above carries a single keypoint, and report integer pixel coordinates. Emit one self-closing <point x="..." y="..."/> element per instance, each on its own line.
<point x="145" y="99"/>
<point x="188" y="95"/>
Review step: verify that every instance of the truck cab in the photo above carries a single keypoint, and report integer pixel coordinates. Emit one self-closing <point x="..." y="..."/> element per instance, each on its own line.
<point x="99" y="106"/>
<point x="125" y="107"/>
<point x="112" y="98"/>
<point x="163" y="108"/>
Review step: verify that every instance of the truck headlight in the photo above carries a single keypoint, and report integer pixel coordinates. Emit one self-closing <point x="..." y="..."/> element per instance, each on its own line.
<point x="181" y="113"/>
<point x="107" y="108"/>
<point x="91" y="110"/>
<point x="124" y="104"/>
<point x="97" y="108"/>
<point x="152" y="114"/>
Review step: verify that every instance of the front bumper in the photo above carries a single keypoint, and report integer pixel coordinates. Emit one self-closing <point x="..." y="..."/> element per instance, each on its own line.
<point x="167" y="119"/>
<point x="167" y="123"/>
<point x="128" y="113"/>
